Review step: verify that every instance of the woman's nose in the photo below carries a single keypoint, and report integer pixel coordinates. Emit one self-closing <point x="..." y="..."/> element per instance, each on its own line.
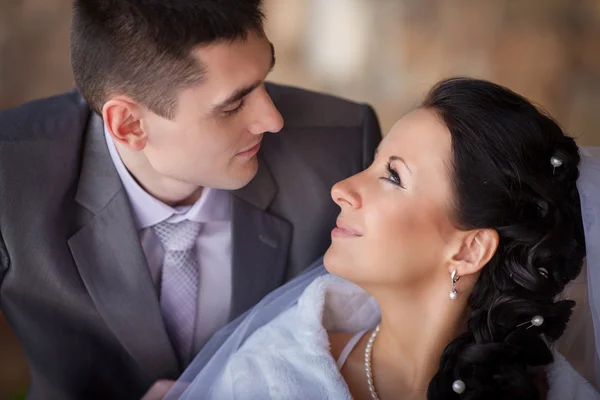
<point x="344" y="193"/>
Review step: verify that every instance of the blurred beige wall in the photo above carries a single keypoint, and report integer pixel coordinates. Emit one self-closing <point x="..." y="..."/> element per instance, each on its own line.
<point x="389" y="52"/>
<point x="385" y="52"/>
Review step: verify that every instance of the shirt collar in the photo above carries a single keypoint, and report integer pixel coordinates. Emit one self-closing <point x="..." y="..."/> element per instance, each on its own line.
<point x="213" y="205"/>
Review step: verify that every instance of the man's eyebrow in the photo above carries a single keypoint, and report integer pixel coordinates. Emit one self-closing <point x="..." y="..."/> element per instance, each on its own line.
<point x="272" y="57"/>
<point x="237" y="96"/>
<point x="243" y="92"/>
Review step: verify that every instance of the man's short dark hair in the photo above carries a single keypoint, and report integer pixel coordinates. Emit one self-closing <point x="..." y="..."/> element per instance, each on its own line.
<point x="142" y="48"/>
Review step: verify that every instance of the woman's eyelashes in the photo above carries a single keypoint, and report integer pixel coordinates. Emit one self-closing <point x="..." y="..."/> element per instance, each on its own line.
<point x="392" y="176"/>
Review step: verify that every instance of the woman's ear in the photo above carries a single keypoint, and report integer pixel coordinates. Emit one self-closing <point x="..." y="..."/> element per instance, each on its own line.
<point x="476" y="249"/>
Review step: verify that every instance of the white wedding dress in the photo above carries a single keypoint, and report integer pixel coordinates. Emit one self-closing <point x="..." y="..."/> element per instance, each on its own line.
<point x="289" y="358"/>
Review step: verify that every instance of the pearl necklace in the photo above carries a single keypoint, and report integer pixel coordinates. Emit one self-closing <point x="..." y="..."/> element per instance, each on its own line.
<point x="458" y="386"/>
<point x="368" y="371"/>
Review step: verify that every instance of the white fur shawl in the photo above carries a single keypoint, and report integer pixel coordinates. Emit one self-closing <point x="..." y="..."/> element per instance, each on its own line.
<point x="289" y="358"/>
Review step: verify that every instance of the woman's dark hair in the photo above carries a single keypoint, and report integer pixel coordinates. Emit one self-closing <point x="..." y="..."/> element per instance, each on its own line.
<point x="503" y="179"/>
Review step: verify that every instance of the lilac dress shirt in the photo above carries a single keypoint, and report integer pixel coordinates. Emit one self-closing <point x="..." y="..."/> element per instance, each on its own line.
<point x="213" y="245"/>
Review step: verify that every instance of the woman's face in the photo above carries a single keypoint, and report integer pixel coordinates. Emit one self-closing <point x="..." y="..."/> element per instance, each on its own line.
<point x="394" y="227"/>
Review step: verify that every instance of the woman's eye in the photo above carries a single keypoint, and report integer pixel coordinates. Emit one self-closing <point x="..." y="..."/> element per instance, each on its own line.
<point x="393" y="176"/>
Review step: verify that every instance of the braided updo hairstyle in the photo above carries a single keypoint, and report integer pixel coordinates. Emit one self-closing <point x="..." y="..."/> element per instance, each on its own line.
<point x="503" y="179"/>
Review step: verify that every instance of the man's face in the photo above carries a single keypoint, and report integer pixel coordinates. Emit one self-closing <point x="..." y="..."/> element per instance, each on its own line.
<point x="219" y="124"/>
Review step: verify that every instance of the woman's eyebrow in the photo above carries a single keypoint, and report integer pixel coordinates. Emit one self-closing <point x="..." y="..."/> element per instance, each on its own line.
<point x="398" y="158"/>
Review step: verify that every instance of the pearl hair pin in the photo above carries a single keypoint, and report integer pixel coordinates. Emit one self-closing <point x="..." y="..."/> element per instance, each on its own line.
<point x="537" y="320"/>
<point x="556" y="162"/>
<point x="458" y="386"/>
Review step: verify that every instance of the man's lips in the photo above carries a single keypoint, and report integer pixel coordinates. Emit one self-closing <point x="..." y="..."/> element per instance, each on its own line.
<point x="250" y="151"/>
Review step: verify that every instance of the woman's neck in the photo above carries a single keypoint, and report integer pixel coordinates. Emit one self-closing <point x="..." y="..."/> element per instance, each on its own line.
<point x="415" y="329"/>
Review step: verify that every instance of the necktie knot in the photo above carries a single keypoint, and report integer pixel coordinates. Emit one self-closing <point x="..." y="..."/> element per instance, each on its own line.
<point x="180" y="236"/>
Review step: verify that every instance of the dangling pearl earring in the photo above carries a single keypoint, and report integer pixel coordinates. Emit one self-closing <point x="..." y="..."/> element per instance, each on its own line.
<point x="455" y="278"/>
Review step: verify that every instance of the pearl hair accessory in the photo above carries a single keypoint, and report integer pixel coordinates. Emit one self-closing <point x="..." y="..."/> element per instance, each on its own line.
<point x="537" y="320"/>
<point x="458" y="386"/>
<point x="556" y="162"/>
<point x="455" y="278"/>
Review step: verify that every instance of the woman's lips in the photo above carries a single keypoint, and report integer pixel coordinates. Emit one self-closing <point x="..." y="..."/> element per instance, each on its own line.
<point x="344" y="230"/>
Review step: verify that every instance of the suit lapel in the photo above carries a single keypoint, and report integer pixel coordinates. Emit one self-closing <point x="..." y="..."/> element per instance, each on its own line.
<point x="112" y="264"/>
<point x="260" y="243"/>
<point x="113" y="268"/>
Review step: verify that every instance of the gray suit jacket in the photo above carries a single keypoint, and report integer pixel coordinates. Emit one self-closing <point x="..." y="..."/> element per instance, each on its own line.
<point x="74" y="283"/>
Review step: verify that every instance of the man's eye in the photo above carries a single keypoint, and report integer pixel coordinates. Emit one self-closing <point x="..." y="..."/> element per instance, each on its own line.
<point x="237" y="109"/>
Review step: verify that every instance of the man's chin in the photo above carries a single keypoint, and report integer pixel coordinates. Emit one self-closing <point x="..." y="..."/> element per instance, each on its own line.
<point x="243" y="177"/>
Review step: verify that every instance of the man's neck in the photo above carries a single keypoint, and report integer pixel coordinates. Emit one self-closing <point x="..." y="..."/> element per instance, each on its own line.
<point x="167" y="190"/>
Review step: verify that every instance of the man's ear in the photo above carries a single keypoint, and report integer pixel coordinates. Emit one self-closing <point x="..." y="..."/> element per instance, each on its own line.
<point x="474" y="251"/>
<point x="122" y="117"/>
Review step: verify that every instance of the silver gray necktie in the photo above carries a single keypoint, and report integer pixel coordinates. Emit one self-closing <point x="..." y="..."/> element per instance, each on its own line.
<point x="179" y="286"/>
